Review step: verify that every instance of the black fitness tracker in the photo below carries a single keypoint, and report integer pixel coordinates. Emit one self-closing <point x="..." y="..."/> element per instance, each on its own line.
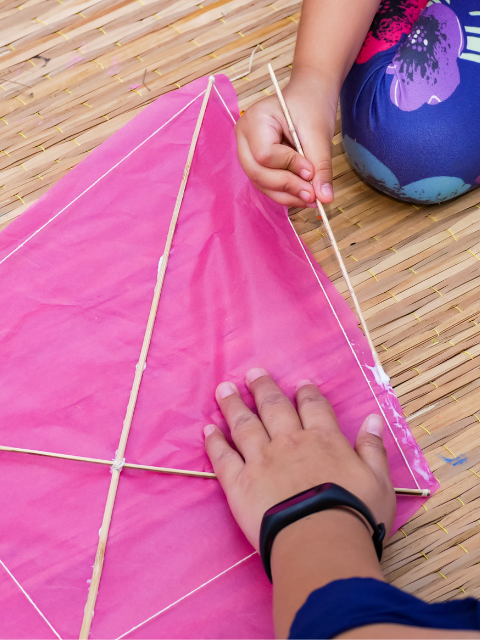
<point x="324" y="496"/>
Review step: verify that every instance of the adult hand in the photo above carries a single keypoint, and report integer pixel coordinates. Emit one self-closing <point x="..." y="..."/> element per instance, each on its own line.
<point x="265" y="145"/>
<point x="282" y="452"/>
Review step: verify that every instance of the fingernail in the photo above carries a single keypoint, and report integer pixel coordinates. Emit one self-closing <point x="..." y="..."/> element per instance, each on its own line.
<point x="210" y="428"/>
<point x="375" y="425"/>
<point x="302" y="383"/>
<point x="305" y="196"/>
<point x="305" y="174"/>
<point x="225" y="389"/>
<point x="327" y="190"/>
<point x="253" y="374"/>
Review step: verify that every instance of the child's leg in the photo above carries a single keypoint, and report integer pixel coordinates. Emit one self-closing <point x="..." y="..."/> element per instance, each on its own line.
<point x="411" y="103"/>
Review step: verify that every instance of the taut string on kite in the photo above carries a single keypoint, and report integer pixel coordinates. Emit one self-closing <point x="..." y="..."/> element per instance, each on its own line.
<point x="326" y="223"/>
<point x="155" y="615"/>
<point x="120" y="453"/>
<point x="29" y="599"/>
<point x="175" y="115"/>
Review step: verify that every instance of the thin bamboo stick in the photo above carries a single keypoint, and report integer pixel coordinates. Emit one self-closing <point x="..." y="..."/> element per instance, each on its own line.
<point x="326" y="222"/>
<point x="98" y="565"/>
<point x="179" y="472"/>
<point x="109" y="463"/>
<point x="424" y="493"/>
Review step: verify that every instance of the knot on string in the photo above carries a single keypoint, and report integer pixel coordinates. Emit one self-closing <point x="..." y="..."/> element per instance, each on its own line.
<point x="425" y="493"/>
<point x="117" y="465"/>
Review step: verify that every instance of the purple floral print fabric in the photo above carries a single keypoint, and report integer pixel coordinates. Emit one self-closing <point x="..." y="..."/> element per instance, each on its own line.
<point x="425" y="67"/>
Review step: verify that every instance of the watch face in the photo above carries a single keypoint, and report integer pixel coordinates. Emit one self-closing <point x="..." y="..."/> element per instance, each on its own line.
<point x="300" y="497"/>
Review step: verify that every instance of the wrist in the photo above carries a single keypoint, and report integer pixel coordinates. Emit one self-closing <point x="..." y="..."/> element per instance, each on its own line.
<point x="325" y="82"/>
<point x="338" y="540"/>
<point x="331" y="545"/>
<point x="316" y="96"/>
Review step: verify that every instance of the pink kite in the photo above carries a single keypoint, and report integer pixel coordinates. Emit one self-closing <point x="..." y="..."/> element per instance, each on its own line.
<point x="77" y="273"/>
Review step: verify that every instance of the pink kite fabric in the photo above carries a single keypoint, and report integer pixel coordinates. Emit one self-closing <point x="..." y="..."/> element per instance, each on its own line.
<point x="77" y="273"/>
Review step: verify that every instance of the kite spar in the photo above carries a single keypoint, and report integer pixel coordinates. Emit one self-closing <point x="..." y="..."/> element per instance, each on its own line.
<point x="378" y="369"/>
<point x="120" y="453"/>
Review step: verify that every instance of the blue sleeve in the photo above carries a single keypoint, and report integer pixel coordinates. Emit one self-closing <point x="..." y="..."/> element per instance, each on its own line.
<point x="356" y="602"/>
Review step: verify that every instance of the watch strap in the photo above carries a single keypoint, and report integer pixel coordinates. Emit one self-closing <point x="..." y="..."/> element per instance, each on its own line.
<point x="320" y="498"/>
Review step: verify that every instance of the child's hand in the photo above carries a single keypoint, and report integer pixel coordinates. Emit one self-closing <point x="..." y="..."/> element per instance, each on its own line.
<point x="275" y="168"/>
<point x="283" y="452"/>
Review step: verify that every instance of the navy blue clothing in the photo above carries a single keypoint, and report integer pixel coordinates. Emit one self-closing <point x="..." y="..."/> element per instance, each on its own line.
<point x="356" y="602"/>
<point x="411" y="102"/>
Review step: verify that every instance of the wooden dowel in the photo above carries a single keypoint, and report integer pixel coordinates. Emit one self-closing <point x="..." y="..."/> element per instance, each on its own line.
<point x="326" y="222"/>
<point x="425" y="493"/>
<point x="109" y="463"/>
<point x="120" y="454"/>
<point x="178" y="472"/>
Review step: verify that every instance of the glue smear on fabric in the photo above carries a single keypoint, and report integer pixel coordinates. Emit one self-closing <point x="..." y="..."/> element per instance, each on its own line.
<point x="380" y="376"/>
<point x="416" y="459"/>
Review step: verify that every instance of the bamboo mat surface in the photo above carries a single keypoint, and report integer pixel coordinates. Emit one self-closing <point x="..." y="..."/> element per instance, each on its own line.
<point x="72" y="72"/>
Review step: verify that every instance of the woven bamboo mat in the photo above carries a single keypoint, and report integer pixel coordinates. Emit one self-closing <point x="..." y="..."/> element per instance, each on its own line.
<point x="72" y="72"/>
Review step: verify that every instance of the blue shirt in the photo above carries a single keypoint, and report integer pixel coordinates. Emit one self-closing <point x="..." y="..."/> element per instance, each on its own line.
<point x="347" y="604"/>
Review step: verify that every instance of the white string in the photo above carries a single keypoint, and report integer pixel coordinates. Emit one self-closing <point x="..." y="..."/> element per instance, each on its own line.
<point x="242" y="75"/>
<point x="101" y="178"/>
<point x="29" y="599"/>
<point x="117" y="465"/>
<point x="155" y="615"/>
<point x="223" y="102"/>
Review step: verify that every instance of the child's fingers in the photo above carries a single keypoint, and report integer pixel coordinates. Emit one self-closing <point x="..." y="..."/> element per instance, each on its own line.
<point x="281" y="181"/>
<point x="264" y="127"/>
<point x="318" y="151"/>
<point x="260" y="132"/>
<point x="275" y="155"/>
<point x="285" y="199"/>
<point x="274" y="180"/>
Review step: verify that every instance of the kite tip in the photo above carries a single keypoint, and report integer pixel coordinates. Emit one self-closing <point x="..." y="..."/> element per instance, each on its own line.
<point x="211" y="78"/>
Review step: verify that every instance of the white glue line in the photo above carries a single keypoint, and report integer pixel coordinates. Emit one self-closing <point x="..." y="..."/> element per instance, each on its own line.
<point x="29" y="599"/>
<point x="101" y="178"/>
<point x="155" y="615"/>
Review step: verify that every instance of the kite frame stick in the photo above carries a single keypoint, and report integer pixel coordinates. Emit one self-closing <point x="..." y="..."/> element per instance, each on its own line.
<point x="423" y="493"/>
<point x="110" y="463"/>
<point x="120" y="453"/>
<point x="178" y="472"/>
<point x="326" y="222"/>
